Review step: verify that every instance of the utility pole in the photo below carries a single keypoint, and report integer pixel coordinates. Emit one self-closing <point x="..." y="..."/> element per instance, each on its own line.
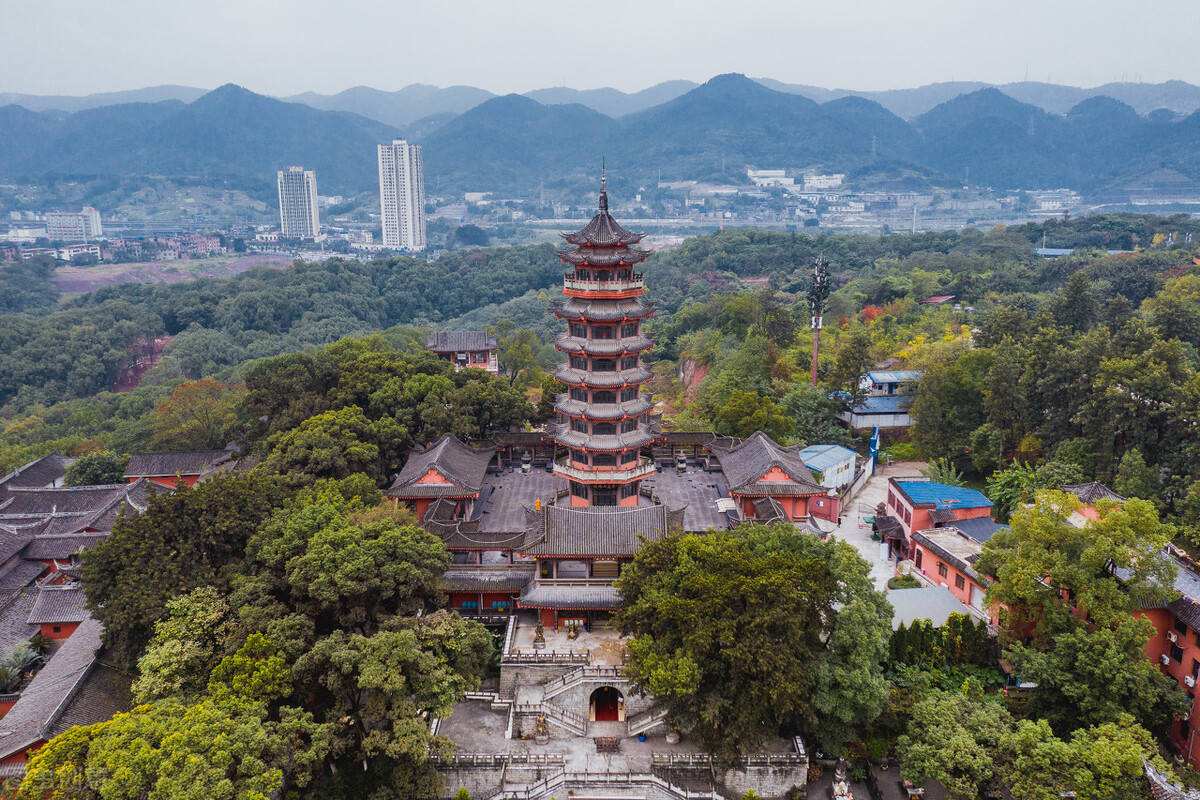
<point x="818" y="293"/>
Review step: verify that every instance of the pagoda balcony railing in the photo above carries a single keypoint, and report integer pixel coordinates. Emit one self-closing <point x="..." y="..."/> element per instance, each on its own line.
<point x="602" y="411"/>
<point x="602" y="347"/>
<point x="575" y="581"/>
<point x="602" y="380"/>
<point x="643" y="469"/>
<point x="635" y="282"/>
<point x="563" y="435"/>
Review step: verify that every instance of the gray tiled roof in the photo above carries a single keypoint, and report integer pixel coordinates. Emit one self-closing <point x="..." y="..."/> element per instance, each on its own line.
<point x="103" y="693"/>
<point x="745" y="463"/>
<point x="561" y="530"/>
<point x="465" y="468"/>
<point x="465" y="578"/>
<point x="459" y="341"/>
<point x="64" y="511"/>
<point x="33" y="717"/>
<point x="199" y="462"/>
<point x="14" y="614"/>
<point x="45" y="471"/>
<point x="603" y="230"/>
<point x="36" y="502"/>
<point x="605" y="310"/>
<point x="569" y="597"/>
<point x="1091" y="493"/>
<point x="697" y="492"/>
<point x="11" y="543"/>
<point x="60" y="548"/>
<point x="980" y="528"/>
<point x="59" y="604"/>
<point x="501" y="506"/>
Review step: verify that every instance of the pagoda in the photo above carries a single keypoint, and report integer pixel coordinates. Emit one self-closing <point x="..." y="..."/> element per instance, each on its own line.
<point x="602" y="419"/>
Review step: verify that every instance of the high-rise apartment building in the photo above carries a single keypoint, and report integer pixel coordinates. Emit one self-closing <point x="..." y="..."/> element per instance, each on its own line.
<point x="298" y="203"/>
<point x="74" y="226"/>
<point x="402" y="195"/>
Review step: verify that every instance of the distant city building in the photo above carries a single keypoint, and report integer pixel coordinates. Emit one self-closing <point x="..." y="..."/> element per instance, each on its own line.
<point x="72" y="251"/>
<point x="770" y="177"/>
<point x="402" y="195"/>
<point x="814" y="183"/>
<point x="25" y="234"/>
<point x="74" y="226"/>
<point x="298" y="218"/>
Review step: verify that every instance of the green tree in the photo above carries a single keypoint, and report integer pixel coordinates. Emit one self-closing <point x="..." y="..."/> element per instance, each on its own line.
<point x="1081" y="562"/>
<point x="743" y="633"/>
<point x="380" y="688"/>
<point x="1099" y="763"/>
<point x="743" y="413"/>
<point x="851" y="359"/>
<point x="942" y="470"/>
<point x="518" y="350"/>
<point x="1089" y="677"/>
<point x="954" y="738"/>
<point x="171" y="749"/>
<point x="186" y="539"/>
<point x="987" y="448"/>
<point x="333" y="444"/>
<point x="1136" y="478"/>
<point x="948" y="405"/>
<point x="97" y="468"/>
<point x="198" y="415"/>
<point x="186" y="646"/>
<point x="814" y="415"/>
<point x="1016" y="485"/>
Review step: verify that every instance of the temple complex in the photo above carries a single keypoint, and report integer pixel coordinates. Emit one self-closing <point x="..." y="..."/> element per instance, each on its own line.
<point x="540" y="525"/>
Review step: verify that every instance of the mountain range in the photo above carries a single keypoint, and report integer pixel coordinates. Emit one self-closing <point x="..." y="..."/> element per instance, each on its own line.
<point x="405" y="106"/>
<point x="514" y="143"/>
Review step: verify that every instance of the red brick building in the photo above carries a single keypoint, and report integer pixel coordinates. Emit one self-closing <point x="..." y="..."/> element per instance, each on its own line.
<point x="759" y="468"/>
<point x="946" y="557"/>
<point x="446" y="470"/>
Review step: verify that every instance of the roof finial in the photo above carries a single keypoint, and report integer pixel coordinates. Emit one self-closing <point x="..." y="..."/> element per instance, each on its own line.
<point x="603" y="184"/>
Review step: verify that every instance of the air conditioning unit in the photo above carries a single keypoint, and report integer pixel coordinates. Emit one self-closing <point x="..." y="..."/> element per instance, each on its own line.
<point x="1190" y="681"/>
<point x="1165" y="659"/>
<point x="1172" y="636"/>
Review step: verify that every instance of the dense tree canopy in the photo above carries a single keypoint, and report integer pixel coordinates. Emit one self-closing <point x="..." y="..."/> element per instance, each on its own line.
<point x="753" y="631"/>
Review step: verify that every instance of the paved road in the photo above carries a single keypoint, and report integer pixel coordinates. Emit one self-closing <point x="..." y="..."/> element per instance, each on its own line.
<point x="858" y="533"/>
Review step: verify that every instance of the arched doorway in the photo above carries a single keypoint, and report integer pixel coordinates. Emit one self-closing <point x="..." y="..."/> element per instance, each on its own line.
<point x="607" y="705"/>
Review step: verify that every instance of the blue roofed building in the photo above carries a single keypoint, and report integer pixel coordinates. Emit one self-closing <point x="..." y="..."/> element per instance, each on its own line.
<point x="921" y="505"/>
<point x="879" y="411"/>
<point x="831" y="464"/>
<point x="888" y="382"/>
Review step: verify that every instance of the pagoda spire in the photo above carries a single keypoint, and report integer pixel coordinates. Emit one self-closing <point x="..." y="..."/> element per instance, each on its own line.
<point x="603" y="185"/>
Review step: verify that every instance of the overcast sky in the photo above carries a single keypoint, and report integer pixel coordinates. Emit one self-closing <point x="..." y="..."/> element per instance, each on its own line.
<point x="287" y="46"/>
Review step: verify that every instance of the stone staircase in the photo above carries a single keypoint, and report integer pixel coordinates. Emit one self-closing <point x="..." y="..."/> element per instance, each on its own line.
<point x="589" y="674"/>
<point x="555" y="715"/>
<point x="613" y="784"/>
<point x="643" y="722"/>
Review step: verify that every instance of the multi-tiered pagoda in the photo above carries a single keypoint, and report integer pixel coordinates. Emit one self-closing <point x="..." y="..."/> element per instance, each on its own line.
<point x="603" y="423"/>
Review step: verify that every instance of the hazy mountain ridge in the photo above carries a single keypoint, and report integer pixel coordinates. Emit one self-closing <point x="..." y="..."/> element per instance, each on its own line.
<point x="227" y="133"/>
<point x="413" y="102"/>
<point x="513" y="144"/>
